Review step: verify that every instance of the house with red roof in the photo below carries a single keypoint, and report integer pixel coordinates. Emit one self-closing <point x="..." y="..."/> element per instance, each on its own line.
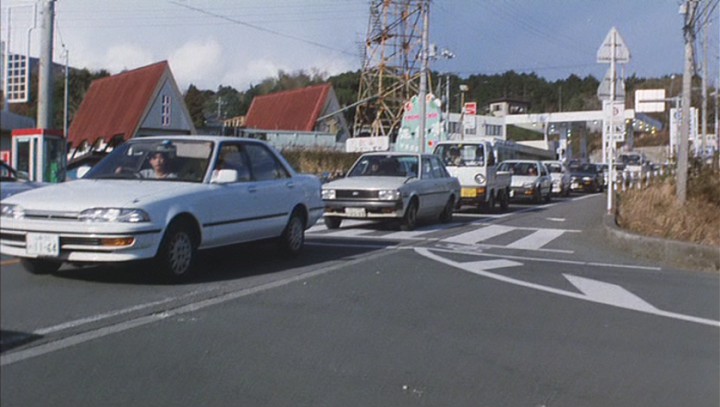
<point x="141" y="102"/>
<point x="308" y="111"/>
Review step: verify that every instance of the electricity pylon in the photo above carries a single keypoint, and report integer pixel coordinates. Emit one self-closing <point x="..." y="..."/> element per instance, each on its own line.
<point x="391" y="66"/>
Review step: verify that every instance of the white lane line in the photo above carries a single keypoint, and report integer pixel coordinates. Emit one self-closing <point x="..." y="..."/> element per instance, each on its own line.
<point x="348" y="233"/>
<point x="611" y="294"/>
<point x="482" y="265"/>
<point x="601" y="299"/>
<point x="99" y="317"/>
<point x="479" y="235"/>
<point x="537" y="239"/>
<point x="420" y="232"/>
<point x="10" y="357"/>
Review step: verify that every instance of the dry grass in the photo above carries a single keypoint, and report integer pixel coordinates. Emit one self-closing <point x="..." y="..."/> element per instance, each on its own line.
<point x="320" y="161"/>
<point x="655" y="211"/>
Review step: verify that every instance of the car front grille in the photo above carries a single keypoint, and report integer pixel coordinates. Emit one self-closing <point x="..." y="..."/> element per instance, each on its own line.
<point x="355" y="194"/>
<point x="51" y="215"/>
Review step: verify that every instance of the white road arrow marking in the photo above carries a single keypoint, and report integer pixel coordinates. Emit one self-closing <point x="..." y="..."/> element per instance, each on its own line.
<point x="593" y="291"/>
<point x="610" y="294"/>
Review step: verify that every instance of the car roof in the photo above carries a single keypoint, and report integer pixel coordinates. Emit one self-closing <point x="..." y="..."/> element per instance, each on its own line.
<point x="394" y="153"/>
<point x="196" y="137"/>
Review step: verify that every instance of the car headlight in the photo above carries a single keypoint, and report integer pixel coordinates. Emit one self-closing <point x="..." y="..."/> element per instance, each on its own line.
<point x="587" y="178"/>
<point x="480" y="179"/>
<point x="389" y="195"/>
<point x="114" y="215"/>
<point x="328" y="194"/>
<point x="12" y="211"/>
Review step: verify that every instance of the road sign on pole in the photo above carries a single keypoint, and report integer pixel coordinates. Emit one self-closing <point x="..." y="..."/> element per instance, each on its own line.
<point x="613" y="48"/>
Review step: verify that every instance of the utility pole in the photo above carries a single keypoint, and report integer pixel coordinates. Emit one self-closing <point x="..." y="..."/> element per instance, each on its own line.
<point x="45" y="86"/>
<point x="682" y="162"/>
<point x="422" y="99"/>
<point x="706" y="21"/>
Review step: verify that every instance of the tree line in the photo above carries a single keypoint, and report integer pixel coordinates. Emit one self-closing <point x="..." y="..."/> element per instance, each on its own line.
<point x="207" y="106"/>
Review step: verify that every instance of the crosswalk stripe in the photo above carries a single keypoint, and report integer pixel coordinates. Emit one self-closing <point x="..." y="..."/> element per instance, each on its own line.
<point x="416" y="233"/>
<point x="479" y="235"/>
<point x="536" y="239"/>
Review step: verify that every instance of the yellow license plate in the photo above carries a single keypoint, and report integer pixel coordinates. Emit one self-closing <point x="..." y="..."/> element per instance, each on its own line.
<point x="468" y="193"/>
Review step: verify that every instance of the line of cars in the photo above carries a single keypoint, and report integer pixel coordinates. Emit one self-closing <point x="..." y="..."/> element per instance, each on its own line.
<point x="218" y="191"/>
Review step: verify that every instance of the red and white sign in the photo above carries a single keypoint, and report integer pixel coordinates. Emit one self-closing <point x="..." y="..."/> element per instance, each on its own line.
<point x="470" y="108"/>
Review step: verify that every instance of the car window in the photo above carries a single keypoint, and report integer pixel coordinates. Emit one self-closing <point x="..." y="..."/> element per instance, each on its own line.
<point x="233" y="157"/>
<point x="263" y="163"/>
<point x="183" y="160"/>
<point x="437" y="168"/>
<point x="427" y="171"/>
<point x="6" y="174"/>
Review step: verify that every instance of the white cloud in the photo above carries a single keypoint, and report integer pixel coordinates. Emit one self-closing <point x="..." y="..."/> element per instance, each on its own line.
<point x="253" y="72"/>
<point x="125" y="57"/>
<point x="199" y="63"/>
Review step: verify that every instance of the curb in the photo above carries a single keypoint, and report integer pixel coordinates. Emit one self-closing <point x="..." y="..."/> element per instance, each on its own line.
<point x="688" y="256"/>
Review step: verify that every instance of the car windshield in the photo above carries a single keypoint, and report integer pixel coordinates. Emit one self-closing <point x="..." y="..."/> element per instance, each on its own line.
<point x="631" y="159"/>
<point x="521" y="168"/>
<point x="584" y="168"/>
<point x="7" y="174"/>
<point x="385" y="166"/>
<point x="554" y="168"/>
<point x="459" y="154"/>
<point x="156" y="159"/>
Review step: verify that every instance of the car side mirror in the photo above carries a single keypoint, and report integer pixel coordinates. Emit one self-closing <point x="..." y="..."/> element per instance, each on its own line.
<point x="224" y="176"/>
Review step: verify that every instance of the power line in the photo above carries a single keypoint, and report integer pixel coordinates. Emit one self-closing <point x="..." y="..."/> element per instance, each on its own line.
<point x="267" y="30"/>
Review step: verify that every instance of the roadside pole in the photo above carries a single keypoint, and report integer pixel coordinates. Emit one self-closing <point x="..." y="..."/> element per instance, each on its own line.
<point x="422" y="99"/>
<point x="613" y="50"/>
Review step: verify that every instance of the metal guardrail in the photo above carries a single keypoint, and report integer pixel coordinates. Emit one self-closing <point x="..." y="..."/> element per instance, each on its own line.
<point x="627" y="180"/>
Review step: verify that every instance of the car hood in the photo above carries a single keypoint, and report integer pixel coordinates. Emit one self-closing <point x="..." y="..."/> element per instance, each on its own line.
<point x="7" y="189"/>
<point x="366" y="183"/>
<point x="82" y="194"/>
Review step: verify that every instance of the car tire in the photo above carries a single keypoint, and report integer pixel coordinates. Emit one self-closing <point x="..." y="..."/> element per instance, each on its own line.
<point x="409" y="220"/>
<point x="504" y="200"/>
<point x="332" y="222"/>
<point x="446" y="215"/>
<point x="178" y="252"/>
<point x="40" y="266"/>
<point x="292" y="239"/>
<point x="490" y="204"/>
<point x="548" y="197"/>
<point x="537" y="198"/>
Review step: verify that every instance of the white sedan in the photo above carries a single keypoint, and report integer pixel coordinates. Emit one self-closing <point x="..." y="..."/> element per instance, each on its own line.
<point x="397" y="186"/>
<point x="209" y="192"/>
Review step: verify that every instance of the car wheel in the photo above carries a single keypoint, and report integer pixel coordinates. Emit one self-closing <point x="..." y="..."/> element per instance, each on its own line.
<point x="490" y="204"/>
<point x="293" y="237"/>
<point x="410" y="219"/>
<point x="178" y="251"/>
<point x="548" y="197"/>
<point x="537" y="198"/>
<point x="39" y="266"/>
<point x="447" y="214"/>
<point x="332" y="222"/>
<point x="504" y="200"/>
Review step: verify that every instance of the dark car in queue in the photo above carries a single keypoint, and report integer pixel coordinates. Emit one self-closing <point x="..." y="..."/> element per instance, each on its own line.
<point x="585" y="178"/>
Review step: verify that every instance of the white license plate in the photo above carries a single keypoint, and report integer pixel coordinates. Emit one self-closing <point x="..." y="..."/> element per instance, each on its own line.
<point x="512" y="193"/>
<point x="42" y="244"/>
<point x="356" y="212"/>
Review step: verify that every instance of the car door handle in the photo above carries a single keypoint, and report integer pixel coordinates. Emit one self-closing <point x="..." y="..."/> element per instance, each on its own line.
<point x="290" y="184"/>
<point x="252" y="189"/>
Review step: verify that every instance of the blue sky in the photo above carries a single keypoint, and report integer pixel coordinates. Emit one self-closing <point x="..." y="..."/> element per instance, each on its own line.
<point x="236" y="42"/>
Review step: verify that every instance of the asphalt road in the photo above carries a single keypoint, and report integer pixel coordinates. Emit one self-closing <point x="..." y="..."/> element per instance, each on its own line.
<point x="531" y="308"/>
